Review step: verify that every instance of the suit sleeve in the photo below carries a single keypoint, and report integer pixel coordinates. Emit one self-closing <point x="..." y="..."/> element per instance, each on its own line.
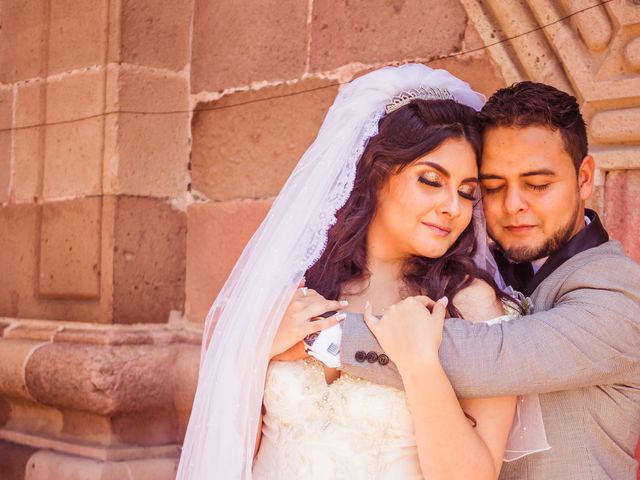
<point x="591" y="336"/>
<point x="356" y="336"/>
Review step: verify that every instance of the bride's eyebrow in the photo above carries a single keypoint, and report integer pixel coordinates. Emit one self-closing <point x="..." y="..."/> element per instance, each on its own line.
<point x="445" y="172"/>
<point x="436" y="166"/>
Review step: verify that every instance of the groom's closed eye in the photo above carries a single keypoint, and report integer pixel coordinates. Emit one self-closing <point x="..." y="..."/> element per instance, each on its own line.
<point x="538" y="188"/>
<point x="489" y="187"/>
<point x="539" y="180"/>
<point x="492" y="186"/>
<point x="490" y="183"/>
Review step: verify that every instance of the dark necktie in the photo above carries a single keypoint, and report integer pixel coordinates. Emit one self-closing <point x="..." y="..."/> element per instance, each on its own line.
<point x="523" y="272"/>
<point x="518" y="275"/>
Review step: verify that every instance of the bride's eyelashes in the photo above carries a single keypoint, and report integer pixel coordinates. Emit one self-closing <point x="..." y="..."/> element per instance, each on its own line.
<point x="471" y="194"/>
<point x="431" y="179"/>
<point x="431" y="183"/>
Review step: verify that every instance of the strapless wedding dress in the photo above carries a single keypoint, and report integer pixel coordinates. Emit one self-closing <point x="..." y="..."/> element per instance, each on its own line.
<point x="355" y="429"/>
<point x="350" y="428"/>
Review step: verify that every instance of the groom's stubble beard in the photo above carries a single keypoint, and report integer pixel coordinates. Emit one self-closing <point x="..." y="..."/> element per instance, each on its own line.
<point x="552" y="244"/>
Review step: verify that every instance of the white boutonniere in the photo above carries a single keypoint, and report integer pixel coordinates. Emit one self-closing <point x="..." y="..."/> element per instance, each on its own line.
<point x="525" y="304"/>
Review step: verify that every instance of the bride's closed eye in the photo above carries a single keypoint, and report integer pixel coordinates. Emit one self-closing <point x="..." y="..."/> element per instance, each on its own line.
<point x="468" y="191"/>
<point x="433" y="179"/>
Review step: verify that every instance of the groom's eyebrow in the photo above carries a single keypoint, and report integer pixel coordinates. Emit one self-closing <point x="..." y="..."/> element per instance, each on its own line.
<point x="532" y="173"/>
<point x="445" y="172"/>
<point x="490" y="176"/>
<point x="542" y="171"/>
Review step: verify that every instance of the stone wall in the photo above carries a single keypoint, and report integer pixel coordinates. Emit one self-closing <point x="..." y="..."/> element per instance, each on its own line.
<point x="142" y="142"/>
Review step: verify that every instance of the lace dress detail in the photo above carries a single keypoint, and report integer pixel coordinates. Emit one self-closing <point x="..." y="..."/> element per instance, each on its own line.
<point x="351" y="428"/>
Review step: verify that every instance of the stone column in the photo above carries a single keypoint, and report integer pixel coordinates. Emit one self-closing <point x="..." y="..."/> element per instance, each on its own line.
<point x="94" y="154"/>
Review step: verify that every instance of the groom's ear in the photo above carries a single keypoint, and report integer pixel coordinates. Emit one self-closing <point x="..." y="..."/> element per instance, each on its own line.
<point x="586" y="177"/>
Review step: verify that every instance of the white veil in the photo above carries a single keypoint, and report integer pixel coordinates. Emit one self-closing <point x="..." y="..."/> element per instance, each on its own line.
<point x="221" y="435"/>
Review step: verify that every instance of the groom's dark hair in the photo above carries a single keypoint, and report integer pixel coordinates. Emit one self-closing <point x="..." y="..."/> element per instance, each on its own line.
<point x="527" y="103"/>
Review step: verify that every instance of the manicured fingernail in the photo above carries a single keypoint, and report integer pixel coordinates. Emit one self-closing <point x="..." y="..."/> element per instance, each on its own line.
<point x="367" y="305"/>
<point x="444" y="301"/>
<point x="341" y="316"/>
<point x="343" y="303"/>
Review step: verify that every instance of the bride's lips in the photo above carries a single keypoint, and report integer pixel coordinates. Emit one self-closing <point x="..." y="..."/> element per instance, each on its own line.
<point x="437" y="229"/>
<point x="520" y="228"/>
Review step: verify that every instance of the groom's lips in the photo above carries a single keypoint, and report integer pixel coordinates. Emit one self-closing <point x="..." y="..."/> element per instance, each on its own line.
<point x="520" y="228"/>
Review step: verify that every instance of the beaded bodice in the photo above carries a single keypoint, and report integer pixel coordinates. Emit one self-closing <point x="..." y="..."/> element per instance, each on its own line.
<point x="351" y="428"/>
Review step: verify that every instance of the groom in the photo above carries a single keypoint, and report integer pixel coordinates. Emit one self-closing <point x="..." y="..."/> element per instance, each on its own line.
<point x="580" y="350"/>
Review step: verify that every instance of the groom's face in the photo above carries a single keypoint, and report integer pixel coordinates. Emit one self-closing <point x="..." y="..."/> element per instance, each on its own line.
<point x="533" y="197"/>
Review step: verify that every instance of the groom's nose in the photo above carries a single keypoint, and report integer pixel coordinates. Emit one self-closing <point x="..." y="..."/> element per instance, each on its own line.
<point x="514" y="200"/>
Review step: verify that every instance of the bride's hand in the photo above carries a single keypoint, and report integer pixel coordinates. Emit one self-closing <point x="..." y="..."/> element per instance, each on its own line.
<point x="299" y="319"/>
<point x="409" y="330"/>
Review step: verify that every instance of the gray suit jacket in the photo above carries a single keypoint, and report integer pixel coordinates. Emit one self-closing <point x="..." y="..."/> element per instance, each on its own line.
<point x="580" y="351"/>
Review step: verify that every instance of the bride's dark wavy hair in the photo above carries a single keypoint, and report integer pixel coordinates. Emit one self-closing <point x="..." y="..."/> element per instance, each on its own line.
<point x="403" y="136"/>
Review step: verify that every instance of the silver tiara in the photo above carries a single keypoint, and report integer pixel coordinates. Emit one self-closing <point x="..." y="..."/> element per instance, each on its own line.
<point x="429" y="93"/>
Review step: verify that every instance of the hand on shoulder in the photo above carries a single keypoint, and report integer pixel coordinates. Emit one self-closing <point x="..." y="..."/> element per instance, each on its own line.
<point x="478" y="302"/>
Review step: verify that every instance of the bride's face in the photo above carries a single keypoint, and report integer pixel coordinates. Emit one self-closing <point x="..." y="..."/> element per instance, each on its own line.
<point x="424" y="208"/>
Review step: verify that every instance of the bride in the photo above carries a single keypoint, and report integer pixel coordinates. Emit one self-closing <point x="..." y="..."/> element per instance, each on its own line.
<point x="382" y="210"/>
